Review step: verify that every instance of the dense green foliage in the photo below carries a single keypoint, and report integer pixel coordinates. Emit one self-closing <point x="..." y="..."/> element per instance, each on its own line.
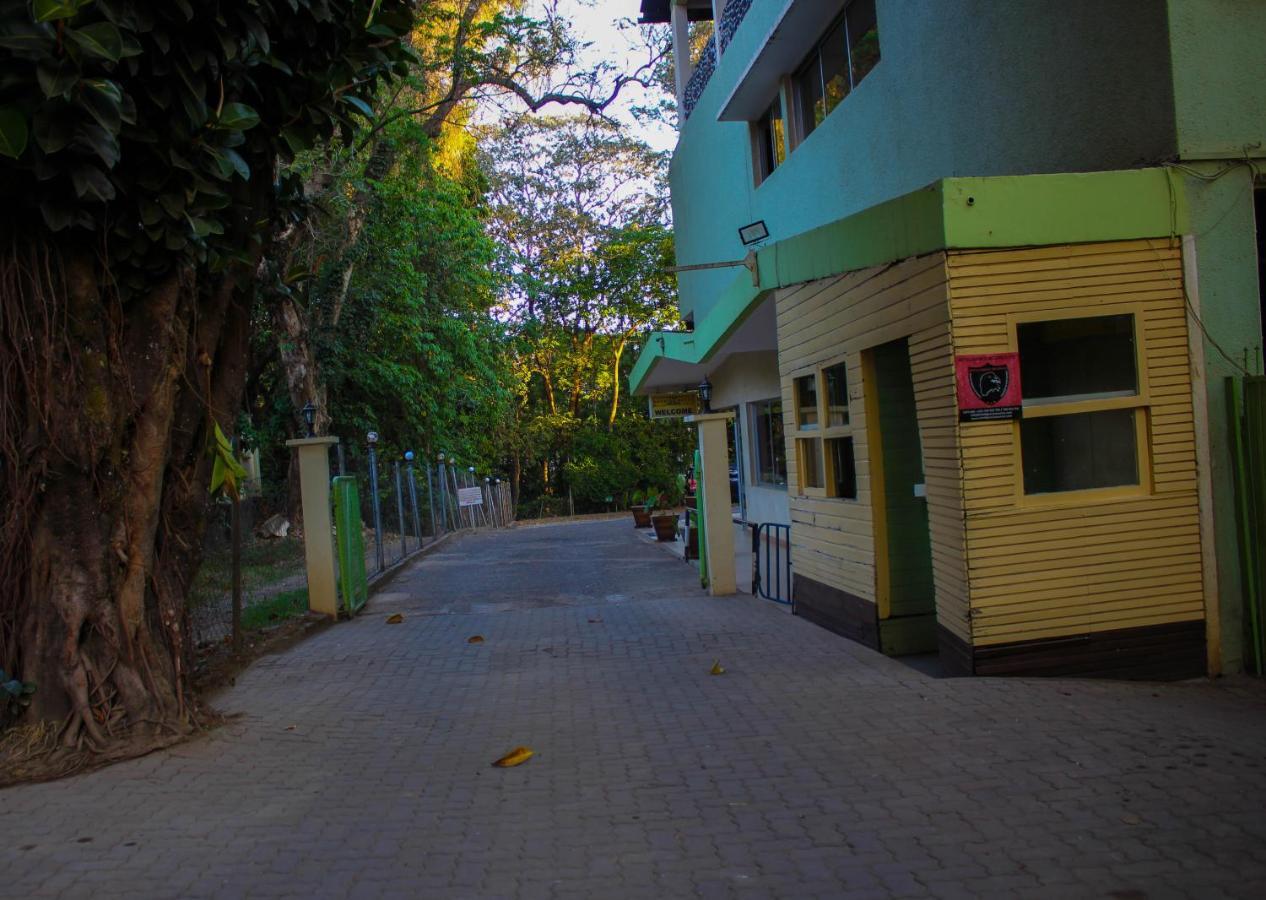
<point x="143" y="122"/>
<point x="579" y="209"/>
<point x="416" y="354"/>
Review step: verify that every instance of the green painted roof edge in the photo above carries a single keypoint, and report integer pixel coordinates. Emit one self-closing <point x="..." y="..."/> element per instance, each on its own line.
<point x="954" y="213"/>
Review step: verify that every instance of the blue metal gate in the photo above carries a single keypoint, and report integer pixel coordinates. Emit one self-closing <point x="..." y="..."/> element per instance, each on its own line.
<point x="771" y="556"/>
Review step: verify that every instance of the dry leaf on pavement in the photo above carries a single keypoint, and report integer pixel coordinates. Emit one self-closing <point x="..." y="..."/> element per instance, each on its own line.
<point x="516" y="757"/>
<point x="716" y="669"/>
<point x="395" y="618"/>
<point x="475" y="639"/>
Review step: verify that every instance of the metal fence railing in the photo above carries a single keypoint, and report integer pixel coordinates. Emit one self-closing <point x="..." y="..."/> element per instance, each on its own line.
<point x="395" y="507"/>
<point x="771" y="562"/>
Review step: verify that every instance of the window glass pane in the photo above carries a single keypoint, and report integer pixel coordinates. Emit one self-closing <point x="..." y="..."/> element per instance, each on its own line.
<point x="806" y="401"/>
<point x="771" y="448"/>
<point x="843" y="469"/>
<point x="834" y="51"/>
<point x="863" y="38"/>
<point x="1072" y="359"/>
<point x="836" y="395"/>
<point x="771" y="148"/>
<point x="777" y="134"/>
<point x="811" y="474"/>
<point x="809" y="94"/>
<point x="1078" y="452"/>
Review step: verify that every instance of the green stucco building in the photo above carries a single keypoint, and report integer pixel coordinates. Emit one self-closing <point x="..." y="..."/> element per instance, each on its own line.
<point x="1066" y="194"/>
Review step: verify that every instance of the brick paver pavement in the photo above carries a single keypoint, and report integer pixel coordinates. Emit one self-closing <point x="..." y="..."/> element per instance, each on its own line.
<point x="813" y="768"/>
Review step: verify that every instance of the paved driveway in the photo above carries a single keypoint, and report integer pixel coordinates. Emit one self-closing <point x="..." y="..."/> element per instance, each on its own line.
<point x="812" y="768"/>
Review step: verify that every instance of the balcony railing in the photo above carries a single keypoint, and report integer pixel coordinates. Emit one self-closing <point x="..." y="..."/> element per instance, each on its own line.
<point x="735" y="10"/>
<point x="699" y="79"/>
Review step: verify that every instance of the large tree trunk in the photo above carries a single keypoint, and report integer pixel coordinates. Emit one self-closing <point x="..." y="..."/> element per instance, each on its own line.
<point x="106" y="398"/>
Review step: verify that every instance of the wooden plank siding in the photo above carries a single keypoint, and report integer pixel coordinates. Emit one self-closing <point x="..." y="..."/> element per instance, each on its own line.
<point x="1085" y="564"/>
<point x="833" y="320"/>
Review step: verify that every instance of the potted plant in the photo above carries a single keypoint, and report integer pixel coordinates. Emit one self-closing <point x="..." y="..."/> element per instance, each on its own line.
<point x="664" y="519"/>
<point x="641" y="511"/>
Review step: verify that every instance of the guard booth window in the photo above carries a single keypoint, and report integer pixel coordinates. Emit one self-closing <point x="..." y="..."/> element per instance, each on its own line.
<point x="1085" y="416"/>
<point x="824" y="434"/>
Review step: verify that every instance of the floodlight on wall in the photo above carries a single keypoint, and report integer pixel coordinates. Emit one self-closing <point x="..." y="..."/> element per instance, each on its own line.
<point x="754" y="233"/>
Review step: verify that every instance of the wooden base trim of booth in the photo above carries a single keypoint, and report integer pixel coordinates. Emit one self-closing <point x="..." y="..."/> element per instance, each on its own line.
<point x="838" y="611"/>
<point x="1155" y="653"/>
<point x="955" y="653"/>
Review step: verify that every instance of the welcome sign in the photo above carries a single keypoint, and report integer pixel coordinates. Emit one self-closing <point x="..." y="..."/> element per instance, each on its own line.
<point x="988" y="387"/>
<point x="674" y="406"/>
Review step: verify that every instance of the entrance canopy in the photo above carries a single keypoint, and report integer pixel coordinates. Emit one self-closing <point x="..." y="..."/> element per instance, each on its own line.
<point x="679" y="367"/>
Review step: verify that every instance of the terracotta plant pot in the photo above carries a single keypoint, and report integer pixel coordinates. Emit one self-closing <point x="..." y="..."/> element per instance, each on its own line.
<point x="641" y="516"/>
<point x="665" y="527"/>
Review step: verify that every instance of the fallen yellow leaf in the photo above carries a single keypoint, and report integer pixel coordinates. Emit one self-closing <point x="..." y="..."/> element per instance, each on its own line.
<point x="516" y="757"/>
<point x="476" y="639"/>
<point x="716" y="668"/>
<point x="395" y="618"/>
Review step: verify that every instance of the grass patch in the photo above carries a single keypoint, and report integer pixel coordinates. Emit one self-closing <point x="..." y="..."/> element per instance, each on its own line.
<point x="263" y="563"/>
<point x="284" y="605"/>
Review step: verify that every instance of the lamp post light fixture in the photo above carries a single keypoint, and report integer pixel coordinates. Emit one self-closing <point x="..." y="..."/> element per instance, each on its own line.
<point x="408" y="456"/>
<point x="309" y="417"/>
<point x="372" y="437"/>
<point x="705" y="395"/>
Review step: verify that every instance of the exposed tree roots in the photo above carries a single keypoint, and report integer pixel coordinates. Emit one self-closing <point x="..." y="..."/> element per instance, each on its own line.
<point x="103" y="476"/>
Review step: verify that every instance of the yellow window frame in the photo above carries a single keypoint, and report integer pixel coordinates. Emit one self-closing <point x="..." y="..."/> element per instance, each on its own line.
<point x="1140" y="402"/>
<point x="821" y="432"/>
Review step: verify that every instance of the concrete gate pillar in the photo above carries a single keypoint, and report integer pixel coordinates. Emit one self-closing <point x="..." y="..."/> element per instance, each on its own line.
<point x="318" y="531"/>
<point x="715" y="482"/>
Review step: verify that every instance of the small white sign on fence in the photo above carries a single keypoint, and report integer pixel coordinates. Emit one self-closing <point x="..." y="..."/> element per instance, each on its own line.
<point x="471" y="496"/>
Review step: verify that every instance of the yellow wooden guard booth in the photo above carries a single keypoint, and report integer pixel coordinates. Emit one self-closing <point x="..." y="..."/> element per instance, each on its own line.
<point x="1067" y="541"/>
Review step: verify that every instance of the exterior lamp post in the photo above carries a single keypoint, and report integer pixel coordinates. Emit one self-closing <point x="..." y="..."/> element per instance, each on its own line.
<point x="413" y="496"/>
<point x="309" y="417"/>
<point x="443" y="492"/>
<point x="705" y="395"/>
<point x="379" y="556"/>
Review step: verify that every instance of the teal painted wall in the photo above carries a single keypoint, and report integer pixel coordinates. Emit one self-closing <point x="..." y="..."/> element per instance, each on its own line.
<point x="1219" y="74"/>
<point x="1221" y="213"/>
<point x="965" y="87"/>
<point x="1219" y="71"/>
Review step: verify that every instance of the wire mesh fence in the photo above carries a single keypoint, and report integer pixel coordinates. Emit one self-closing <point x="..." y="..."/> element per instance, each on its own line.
<point x="404" y="505"/>
<point x="273" y="577"/>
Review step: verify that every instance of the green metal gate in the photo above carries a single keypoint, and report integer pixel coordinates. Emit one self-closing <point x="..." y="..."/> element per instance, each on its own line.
<point x="350" y="545"/>
<point x="1246" y="400"/>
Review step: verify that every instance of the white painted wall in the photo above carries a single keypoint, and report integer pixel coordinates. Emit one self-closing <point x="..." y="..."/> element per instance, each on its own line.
<point x="742" y="379"/>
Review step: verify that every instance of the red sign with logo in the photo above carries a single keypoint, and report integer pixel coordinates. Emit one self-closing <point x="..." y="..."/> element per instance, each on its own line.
<point x="988" y="387"/>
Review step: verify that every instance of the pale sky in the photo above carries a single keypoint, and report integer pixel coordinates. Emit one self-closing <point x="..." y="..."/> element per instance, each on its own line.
<point x="595" y="22"/>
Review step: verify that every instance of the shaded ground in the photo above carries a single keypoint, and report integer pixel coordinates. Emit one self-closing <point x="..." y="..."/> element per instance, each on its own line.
<point x="812" y="768"/>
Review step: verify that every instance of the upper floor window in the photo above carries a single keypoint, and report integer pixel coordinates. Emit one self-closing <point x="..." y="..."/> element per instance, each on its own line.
<point x="769" y="135"/>
<point x="844" y="56"/>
